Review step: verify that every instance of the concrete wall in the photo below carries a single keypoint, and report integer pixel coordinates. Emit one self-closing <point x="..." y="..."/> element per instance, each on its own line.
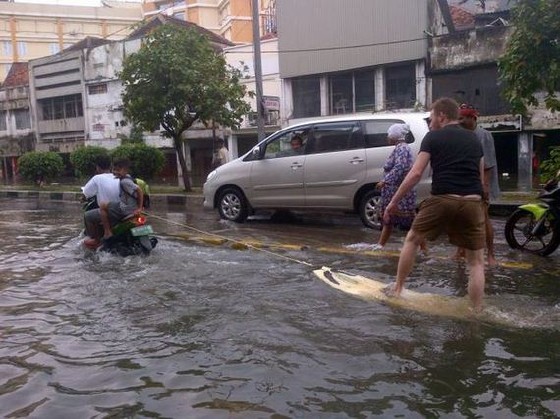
<point x="467" y="48"/>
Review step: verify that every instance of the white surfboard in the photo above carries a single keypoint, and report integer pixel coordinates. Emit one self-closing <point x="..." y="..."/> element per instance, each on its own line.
<point x="510" y="311"/>
<point x="371" y="289"/>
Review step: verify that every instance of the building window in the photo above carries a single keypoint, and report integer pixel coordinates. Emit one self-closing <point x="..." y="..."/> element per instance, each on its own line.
<point x="352" y="92"/>
<point x="306" y="93"/>
<point x="97" y="89"/>
<point x="400" y="86"/>
<point x="22" y="119"/>
<point x="179" y="15"/>
<point x="3" y="123"/>
<point x="364" y="86"/>
<point x="269" y="23"/>
<point x="7" y="48"/>
<point x="62" y="107"/>
<point x="22" y="48"/>
<point x="342" y="93"/>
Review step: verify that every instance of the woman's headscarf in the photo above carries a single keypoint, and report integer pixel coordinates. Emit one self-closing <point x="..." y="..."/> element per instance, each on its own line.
<point x="398" y="131"/>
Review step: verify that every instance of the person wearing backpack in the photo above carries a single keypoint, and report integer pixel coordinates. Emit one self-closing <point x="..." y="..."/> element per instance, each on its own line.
<point x="131" y="200"/>
<point x="145" y="188"/>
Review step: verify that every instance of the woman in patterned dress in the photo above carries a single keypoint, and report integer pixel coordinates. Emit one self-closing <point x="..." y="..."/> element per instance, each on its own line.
<point x="396" y="167"/>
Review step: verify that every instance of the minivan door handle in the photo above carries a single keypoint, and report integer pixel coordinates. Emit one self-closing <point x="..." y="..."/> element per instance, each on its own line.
<point x="296" y="165"/>
<point x="357" y="160"/>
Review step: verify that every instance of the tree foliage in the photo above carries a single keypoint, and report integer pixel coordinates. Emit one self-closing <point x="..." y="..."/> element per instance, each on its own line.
<point x="550" y="168"/>
<point x="531" y="63"/>
<point x="135" y="137"/>
<point x="145" y="161"/>
<point x="85" y="158"/>
<point x="176" y="78"/>
<point x="40" y="166"/>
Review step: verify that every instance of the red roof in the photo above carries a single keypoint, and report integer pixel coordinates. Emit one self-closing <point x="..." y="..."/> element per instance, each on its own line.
<point x="17" y="75"/>
<point x="461" y="18"/>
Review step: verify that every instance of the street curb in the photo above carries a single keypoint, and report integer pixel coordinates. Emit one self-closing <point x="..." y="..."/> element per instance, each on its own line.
<point x="170" y="199"/>
<point x="502" y="209"/>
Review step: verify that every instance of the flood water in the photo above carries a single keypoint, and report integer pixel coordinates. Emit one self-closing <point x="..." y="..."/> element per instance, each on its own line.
<point x="205" y="331"/>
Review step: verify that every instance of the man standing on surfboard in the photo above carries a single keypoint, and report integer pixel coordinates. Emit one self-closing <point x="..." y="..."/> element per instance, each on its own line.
<point x="455" y="207"/>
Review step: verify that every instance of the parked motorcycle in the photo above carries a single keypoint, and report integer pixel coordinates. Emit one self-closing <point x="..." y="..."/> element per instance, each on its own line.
<point x="535" y="227"/>
<point x="131" y="236"/>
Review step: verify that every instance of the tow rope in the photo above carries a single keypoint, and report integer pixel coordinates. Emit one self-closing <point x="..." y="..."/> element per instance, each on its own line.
<point x="228" y="239"/>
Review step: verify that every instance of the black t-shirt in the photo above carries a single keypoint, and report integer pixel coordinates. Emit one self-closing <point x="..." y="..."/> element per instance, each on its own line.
<point x="455" y="154"/>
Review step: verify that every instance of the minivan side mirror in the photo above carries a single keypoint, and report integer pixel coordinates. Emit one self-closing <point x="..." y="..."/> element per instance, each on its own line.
<point x="256" y="152"/>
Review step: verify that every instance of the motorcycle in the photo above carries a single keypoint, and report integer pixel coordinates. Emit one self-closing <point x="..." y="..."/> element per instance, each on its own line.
<point x="131" y="236"/>
<point x="535" y="227"/>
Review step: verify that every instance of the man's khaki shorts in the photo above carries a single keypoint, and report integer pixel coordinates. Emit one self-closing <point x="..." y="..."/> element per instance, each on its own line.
<point x="461" y="218"/>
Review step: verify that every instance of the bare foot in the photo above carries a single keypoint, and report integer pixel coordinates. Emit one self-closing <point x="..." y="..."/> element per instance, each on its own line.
<point x="491" y="260"/>
<point x="391" y="290"/>
<point x="475" y="311"/>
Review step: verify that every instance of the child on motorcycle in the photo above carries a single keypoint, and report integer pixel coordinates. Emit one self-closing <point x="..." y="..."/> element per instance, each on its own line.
<point x="131" y="200"/>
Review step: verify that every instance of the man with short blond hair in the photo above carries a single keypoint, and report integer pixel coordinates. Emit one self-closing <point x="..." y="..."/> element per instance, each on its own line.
<point x="455" y="206"/>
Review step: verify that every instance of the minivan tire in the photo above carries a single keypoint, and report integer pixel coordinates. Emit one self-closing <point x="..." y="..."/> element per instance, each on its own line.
<point x="370" y="210"/>
<point x="232" y="205"/>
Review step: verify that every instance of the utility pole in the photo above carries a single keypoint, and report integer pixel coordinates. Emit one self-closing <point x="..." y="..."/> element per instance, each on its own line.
<point x="258" y="70"/>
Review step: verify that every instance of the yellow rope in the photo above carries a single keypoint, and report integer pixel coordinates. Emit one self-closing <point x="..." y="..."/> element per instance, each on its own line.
<point x="248" y="245"/>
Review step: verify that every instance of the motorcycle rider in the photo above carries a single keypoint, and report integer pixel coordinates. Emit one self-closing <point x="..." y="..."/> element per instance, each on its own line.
<point x="131" y="200"/>
<point x="105" y="186"/>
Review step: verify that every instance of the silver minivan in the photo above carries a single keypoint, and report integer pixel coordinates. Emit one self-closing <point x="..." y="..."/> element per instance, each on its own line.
<point x="336" y="168"/>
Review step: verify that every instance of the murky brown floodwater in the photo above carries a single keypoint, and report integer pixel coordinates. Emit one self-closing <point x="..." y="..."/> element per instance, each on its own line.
<point x="199" y="331"/>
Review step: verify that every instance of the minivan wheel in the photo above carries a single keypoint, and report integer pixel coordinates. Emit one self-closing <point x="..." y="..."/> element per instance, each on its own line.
<point x="370" y="210"/>
<point x="233" y="206"/>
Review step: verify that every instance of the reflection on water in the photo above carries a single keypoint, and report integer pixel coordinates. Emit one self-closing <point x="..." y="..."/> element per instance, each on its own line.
<point x="209" y="332"/>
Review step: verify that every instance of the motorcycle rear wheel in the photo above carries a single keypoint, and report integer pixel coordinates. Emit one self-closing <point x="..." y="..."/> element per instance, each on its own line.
<point x="518" y="233"/>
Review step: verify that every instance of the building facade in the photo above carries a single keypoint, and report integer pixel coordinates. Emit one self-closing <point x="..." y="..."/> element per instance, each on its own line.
<point x="463" y="56"/>
<point x="231" y="19"/>
<point x="365" y="58"/>
<point x="16" y="135"/>
<point x="29" y="31"/>
<point x="242" y="58"/>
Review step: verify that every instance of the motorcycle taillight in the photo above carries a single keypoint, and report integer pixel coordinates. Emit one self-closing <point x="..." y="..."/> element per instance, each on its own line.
<point x="140" y="220"/>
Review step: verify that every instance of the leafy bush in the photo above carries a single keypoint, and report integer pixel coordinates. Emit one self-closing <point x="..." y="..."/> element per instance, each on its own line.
<point x="549" y="168"/>
<point x="84" y="159"/>
<point x="40" y="166"/>
<point x="145" y="161"/>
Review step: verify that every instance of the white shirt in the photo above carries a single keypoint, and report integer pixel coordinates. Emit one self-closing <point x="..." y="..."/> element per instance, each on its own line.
<point x="105" y="185"/>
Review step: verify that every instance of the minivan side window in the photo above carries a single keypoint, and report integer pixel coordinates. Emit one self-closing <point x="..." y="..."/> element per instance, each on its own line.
<point x="336" y="136"/>
<point x="375" y="132"/>
<point x="287" y="144"/>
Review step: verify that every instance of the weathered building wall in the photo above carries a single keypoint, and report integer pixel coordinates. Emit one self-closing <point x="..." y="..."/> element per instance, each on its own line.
<point x="468" y="48"/>
<point x="105" y="121"/>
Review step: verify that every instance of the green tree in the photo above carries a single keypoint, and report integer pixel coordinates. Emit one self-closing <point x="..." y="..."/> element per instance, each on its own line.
<point x="145" y="161"/>
<point x="531" y="63"/>
<point x="176" y="78"/>
<point x="40" y="166"/>
<point x="84" y="159"/>
<point x="550" y="168"/>
<point x="135" y="137"/>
